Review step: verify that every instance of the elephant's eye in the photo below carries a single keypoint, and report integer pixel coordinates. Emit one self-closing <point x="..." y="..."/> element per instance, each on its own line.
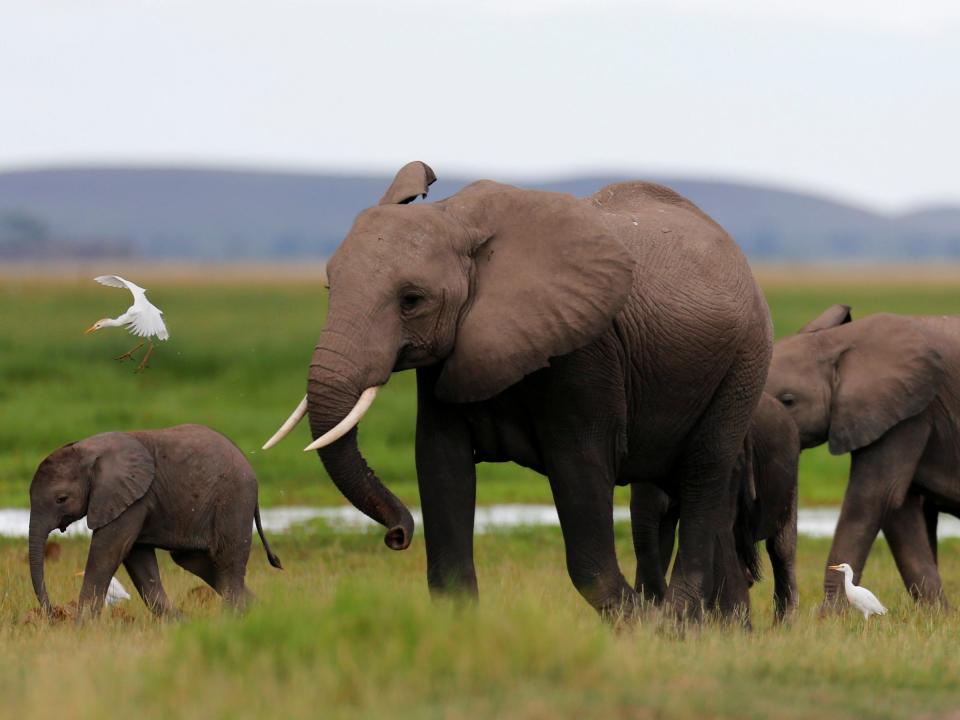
<point x="410" y="301"/>
<point x="788" y="399"/>
<point x="61" y="499"/>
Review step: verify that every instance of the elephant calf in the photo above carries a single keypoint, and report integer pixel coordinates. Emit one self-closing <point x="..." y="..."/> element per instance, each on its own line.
<point x="764" y="491"/>
<point x="886" y="389"/>
<point x="186" y="489"/>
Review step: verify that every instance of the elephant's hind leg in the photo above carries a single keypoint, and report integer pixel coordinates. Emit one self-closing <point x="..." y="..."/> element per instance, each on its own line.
<point x="197" y="562"/>
<point x="233" y="552"/>
<point x="706" y="511"/>
<point x="141" y="565"/>
<point x="906" y="531"/>
<point x="223" y="578"/>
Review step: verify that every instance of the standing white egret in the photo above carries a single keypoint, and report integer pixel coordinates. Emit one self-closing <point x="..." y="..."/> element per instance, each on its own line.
<point x="861" y="598"/>
<point x="116" y="593"/>
<point x="142" y="319"/>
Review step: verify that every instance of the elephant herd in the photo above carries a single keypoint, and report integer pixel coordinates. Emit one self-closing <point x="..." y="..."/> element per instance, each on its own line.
<point x="618" y="339"/>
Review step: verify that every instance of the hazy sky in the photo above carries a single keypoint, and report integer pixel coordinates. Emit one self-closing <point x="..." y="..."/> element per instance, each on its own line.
<point x="854" y="97"/>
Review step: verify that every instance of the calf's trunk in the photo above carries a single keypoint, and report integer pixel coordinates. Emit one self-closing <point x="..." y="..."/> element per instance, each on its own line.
<point x="38" y="539"/>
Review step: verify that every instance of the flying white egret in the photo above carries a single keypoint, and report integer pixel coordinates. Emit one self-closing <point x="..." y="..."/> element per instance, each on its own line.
<point x="116" y="593"/>
<point x="861" y="598"/>
<point x="142" y="319"/>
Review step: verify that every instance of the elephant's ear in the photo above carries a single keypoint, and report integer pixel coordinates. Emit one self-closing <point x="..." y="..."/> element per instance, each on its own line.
<point x="411" y="181"/>
<point x="886" y="371"/>
<point x="120" y="470"/>
<point x="831" y="317"/>
<point x="549" y="279"/>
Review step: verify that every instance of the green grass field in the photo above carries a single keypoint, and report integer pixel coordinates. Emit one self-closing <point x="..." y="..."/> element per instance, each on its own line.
<point x="348" y="630"/>
<point x="237" y="361"/>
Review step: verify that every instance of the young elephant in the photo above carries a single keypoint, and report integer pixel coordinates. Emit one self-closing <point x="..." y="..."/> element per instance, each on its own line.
<point x="886" y="389"/>
<point x="764" y="491"/>
<point x="186" y="489"/>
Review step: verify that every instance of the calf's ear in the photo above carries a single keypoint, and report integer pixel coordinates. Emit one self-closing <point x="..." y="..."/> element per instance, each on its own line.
<point x="886" y="371"/>
<point x="120" y="470"/>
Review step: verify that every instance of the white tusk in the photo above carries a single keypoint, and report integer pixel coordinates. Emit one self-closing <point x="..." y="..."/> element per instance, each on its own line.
<point x="295" y="417"/>
<point x="348" y="423"/>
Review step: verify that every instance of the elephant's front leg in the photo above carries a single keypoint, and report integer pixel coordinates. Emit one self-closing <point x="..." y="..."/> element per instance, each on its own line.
<point x="880" y="476"/>
<point x="906" y="531"/>
<point x="448" y="484"/>
<point x="109" y="547"/>
<point x="653" y="520"/>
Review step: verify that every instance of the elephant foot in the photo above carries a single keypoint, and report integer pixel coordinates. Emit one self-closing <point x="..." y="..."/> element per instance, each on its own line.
<point x="622" y="611"/>
<point x="926" y="599"/>
<point x="650" y="597"/>
<point x="684" y="605"/>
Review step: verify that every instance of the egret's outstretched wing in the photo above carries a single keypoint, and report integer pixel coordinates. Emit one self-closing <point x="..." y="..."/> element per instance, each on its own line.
<point x="111" y="280"/>
<point x="147" y="323"/>
<point x="118" y="282"/>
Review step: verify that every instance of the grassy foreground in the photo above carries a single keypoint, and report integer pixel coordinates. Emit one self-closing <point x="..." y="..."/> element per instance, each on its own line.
<point x="237" y="361"/>
<point x="348" y="631"/>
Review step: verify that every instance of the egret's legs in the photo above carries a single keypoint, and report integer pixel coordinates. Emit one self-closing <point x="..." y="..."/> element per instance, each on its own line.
<point x="128" y="354"/>
<point x="145" y="363"/>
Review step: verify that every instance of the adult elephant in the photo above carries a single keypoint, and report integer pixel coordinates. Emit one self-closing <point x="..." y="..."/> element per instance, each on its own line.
<point x="886" y="389"/>
<point x="599" y="341"/>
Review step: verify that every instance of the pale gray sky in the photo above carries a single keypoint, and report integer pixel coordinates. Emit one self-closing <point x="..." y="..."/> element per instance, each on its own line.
<point x="852" y="97"/>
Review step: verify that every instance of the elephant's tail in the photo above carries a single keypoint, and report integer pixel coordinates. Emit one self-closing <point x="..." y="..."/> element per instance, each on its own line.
<point x="271" y="558"/>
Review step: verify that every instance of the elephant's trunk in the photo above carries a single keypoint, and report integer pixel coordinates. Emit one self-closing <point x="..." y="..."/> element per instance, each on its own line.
<point x="38" y="538"/>
<point x="332" y="391"/>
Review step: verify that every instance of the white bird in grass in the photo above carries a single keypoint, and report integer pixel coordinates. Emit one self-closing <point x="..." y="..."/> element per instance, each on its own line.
<point x="861" y="598"/>
<point x="116" y="593"/>
<point x="142" y="319"/>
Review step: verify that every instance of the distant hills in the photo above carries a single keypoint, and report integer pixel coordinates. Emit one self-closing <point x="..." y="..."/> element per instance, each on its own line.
<point x="217" y="214"/>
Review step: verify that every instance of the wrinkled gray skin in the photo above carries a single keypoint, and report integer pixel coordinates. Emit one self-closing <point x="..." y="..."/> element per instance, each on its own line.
<point x="600" y="341"/>
<point x="186" y="489"/>
<point x="886" y="389"/>
<point x="764" y="495"/>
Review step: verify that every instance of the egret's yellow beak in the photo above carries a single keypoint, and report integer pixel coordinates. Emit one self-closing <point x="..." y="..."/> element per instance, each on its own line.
<point x="79" y="573"/>
<point x="833" y="567"/>
<point x="90" y="329"/>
